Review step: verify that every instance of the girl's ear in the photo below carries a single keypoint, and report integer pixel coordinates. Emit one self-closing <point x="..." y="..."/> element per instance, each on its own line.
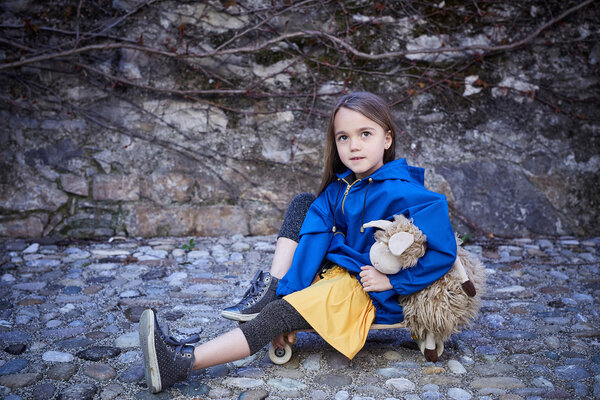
<point x="388" y="139"/>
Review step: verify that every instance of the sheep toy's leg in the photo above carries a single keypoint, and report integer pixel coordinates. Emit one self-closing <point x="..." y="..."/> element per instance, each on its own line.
<point x="430" y="352"/>
<point x="466" y="284"/>
<point x="431" y="348"/>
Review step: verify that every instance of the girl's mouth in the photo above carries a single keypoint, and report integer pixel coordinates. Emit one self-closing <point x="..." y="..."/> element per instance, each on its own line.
<point x="356" y="158"/>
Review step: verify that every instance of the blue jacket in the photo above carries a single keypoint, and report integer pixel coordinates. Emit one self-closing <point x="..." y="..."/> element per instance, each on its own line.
<point x="395" y="188"/>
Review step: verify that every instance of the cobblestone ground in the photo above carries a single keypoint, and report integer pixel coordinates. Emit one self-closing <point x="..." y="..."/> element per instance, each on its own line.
<point x="70" y="310"/>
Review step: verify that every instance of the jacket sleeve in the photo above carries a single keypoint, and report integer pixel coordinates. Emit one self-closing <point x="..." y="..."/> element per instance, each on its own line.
<point x="433" y="220"/>
<point x="315" y="238"/>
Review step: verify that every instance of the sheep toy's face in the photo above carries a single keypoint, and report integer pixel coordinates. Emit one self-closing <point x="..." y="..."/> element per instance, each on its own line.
<point x="389" y="252"/>
<point x="383" y="260"/>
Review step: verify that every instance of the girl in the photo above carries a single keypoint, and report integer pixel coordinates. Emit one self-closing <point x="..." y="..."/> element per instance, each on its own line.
<point x="361" y="183"/>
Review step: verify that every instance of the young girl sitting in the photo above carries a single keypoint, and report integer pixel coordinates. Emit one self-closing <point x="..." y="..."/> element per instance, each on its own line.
<point x="331" y="286"/>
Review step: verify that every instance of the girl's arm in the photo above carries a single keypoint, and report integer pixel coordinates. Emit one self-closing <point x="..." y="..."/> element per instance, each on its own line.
<point x="432" y="219"/>
<point x="373" y="280"/>
<point x="315" y="237"/>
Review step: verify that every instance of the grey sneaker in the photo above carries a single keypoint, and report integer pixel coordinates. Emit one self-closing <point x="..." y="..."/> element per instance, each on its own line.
<point x="166" y="360"/>
<point x="261" y="292"/>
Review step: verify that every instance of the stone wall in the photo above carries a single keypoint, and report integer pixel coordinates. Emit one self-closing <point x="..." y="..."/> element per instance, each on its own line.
<point x="127" y="148"/>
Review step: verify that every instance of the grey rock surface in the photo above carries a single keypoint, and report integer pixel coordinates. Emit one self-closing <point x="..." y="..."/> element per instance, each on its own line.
<point x="511" y="137"/>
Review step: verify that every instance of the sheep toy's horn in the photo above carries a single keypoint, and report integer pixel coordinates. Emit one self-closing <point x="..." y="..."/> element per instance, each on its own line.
<point x="380" y="224"/>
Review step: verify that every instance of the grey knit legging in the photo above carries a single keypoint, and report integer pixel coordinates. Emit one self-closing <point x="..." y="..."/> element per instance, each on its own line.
<point x="279" y="317"/>
<point x="294" y="216"/>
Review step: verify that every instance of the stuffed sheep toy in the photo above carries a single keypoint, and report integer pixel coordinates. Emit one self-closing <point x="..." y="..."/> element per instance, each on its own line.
<point x="436" y="312"/>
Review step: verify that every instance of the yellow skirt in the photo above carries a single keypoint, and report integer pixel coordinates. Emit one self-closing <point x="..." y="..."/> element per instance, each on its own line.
<point x="338" y="309"/>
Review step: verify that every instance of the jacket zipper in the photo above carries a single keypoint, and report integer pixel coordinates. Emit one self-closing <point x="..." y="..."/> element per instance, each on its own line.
<point x="346" y="192"/>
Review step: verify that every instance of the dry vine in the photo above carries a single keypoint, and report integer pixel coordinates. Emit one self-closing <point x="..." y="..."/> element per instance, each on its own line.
<point x="351" y="48"/>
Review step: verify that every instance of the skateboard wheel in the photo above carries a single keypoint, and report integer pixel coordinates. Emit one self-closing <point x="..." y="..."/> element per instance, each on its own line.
<point x="280" y="356"/>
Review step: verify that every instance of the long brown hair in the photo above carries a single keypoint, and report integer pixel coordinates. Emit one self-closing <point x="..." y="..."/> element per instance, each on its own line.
<point x="372" y="107"/>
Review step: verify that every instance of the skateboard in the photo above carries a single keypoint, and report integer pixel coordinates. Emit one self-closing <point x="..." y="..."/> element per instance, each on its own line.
<point x="282" y="356"/>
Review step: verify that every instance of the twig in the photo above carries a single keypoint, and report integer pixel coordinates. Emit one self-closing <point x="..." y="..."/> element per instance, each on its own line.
<point x="294" y="35"/>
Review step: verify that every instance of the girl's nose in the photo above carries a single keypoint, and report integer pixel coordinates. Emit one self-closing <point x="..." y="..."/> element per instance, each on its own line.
<point x="354" y="144"/>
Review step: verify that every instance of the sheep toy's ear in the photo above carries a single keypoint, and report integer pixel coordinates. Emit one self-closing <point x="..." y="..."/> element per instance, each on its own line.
<point x="399" y="242"/>
<point x="380" y="224"/>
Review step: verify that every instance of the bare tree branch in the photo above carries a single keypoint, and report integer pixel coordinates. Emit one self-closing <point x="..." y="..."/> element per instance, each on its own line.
<point x="295" y="35"/>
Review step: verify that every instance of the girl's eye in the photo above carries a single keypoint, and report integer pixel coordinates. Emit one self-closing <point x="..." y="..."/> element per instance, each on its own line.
<point x="341" y="138"/>
<point x="366" y="133"/>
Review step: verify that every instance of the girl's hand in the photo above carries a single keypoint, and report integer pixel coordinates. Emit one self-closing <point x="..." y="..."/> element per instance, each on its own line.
<point x="280" y="341"/>
<point x="373" y="280"/>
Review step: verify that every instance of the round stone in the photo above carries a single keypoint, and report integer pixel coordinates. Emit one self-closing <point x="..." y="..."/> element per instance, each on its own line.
<point x="514" y="335"/>
<point x="57" y="356"/>
<point x="571" y="373"/>
<point x="173" y="315"/>
<point x="100" y="279"/>
<point x="431" y="395"/>
<point x="178" y="253"/>
<point x="15" y="349"/>
<point x="44" y="391"/>
<point x="221" y="371"/>
<point x="15" y="381"/>
<point x="82" y="391"/>
<point x="337" y="361"/>
<point x="459" y="394"/>
<point x="221" y="393"/>
<point x="61" y="372"/>
<point x="14" y="336"/>
<point x="286" y="384"/>
<point x="256" y="394"/>
<point x="112" y="391"/>
<point x="390" y="372"/>
<point x="497" y="383"/>
<point x="557" y="394"/>
<point x="13" y="366"/>
<point x="334" y="380"/>
<point x="74" y="343"/>
<point x="63" y="333"/>
<point x="33" y="248"/>
<point x="542" y="382"/>
<point x="456" y="367"/>
<point x="401" y="384"/>
<point x="100" y="372"/>
<point x="487" y="350"/>
<point x="97" y="353"/>
<point x="154" y="273"/>
<point x="193" y="389"/>
<point x="54" y="323"/>
<point x="133" y="313"/>
<point x="127" y="340"/>
<point x="392" y="355"/>
<point x="312" y="362"/>
<point x="72" y="290"/>
<point x="134" y="373"/>
<point x="129" y="357"/>
<point x="96" y="335"/>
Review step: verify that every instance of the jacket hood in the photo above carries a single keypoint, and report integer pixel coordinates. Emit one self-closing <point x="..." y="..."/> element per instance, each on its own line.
<point x="397" y="169"/>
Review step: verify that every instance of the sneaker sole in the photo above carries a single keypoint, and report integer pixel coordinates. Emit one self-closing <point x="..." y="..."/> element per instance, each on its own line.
<point x="237" y="316"/>
<point x="146" y="332"/>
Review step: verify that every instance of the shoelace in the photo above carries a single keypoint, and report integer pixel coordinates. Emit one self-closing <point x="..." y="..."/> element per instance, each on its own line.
<point x="170" y="340"/>
<point x="254" y="285"/>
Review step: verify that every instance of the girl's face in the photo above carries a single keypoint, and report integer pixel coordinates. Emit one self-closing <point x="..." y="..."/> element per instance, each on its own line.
<point x="360" y="142"/>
